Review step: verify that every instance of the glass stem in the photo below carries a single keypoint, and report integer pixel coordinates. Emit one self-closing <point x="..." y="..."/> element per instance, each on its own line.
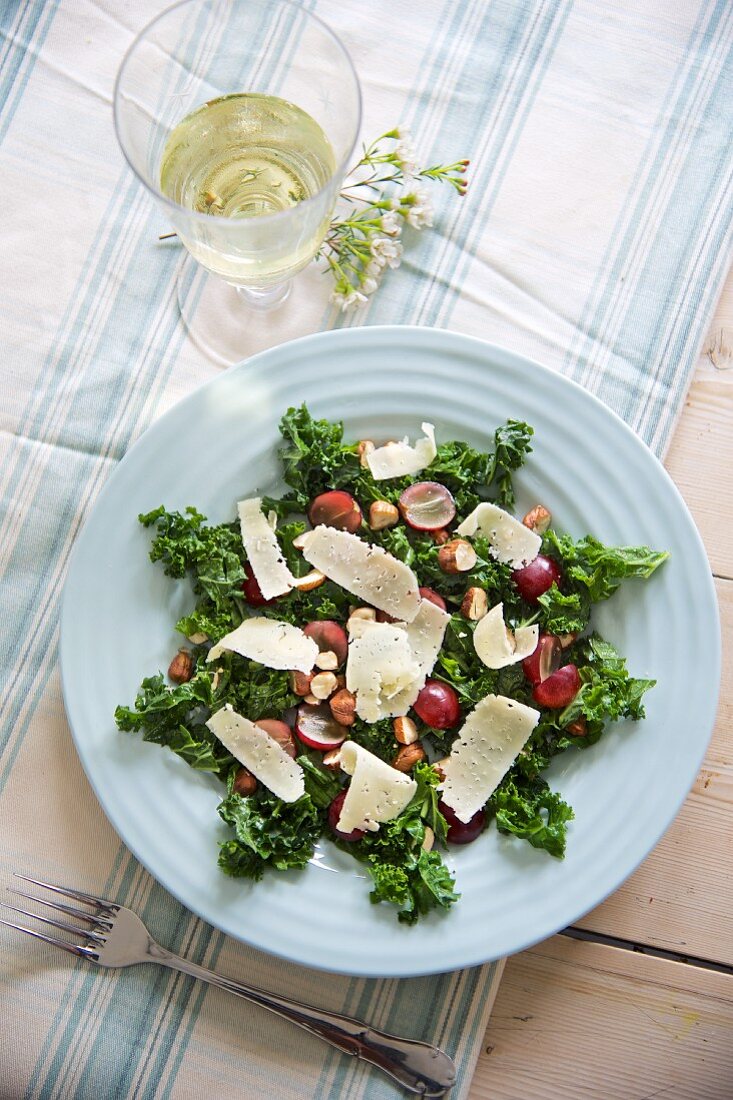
<point x="264" y="299"/>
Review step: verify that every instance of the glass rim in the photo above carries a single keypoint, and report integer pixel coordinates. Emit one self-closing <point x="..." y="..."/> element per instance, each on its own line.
<point x="196" y="214"/>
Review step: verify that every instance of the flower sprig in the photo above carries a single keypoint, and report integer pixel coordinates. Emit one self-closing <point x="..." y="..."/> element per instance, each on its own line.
<point x="386" y="192"/>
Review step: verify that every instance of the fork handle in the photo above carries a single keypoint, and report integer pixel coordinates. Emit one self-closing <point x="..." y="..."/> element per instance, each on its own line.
<point x="419" y="1067"/>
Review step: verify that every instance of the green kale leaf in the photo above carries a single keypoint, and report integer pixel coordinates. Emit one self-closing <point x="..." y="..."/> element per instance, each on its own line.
<point x="533" y="812"/>
<point x="268" y="832"/>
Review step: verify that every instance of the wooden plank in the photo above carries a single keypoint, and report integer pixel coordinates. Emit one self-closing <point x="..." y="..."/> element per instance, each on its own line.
<point x="681" y="898"/>
<point x="700" y="458"/>
<point x="576" y="1020"/>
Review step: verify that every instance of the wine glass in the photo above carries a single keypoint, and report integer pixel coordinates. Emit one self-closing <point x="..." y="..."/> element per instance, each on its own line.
<point x="240" y="117"/>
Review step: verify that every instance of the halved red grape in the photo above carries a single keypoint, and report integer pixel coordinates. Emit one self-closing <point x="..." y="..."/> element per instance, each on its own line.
<point x="385" y="617"/>
<point x="427" y="506"/>
<point x="252" y="591"/>
<point x="336" y="509"/>
<point x="317" y="727"/>
<point x="437" y="705"/>
<point x="433" y="596"/>
<point x="545" y="660"/>
<point x="558" y="690"/>
<point x="537" y="577"/>
<point x="328" y="636"/>
<point x="334" y="813"/>
<point x="280" y="732"/>
<point x="461" y="832"/>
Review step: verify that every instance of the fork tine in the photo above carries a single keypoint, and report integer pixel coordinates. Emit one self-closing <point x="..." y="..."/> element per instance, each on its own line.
<point x="78" y="895"/>
<point x="70" y="910"/>
<point x="63" y="925"/>
<point x="72" y="948"/>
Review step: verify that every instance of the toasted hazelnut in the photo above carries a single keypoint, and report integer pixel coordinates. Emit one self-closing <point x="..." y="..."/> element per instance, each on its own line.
<point x="475" y="604"/>
<point x="244" y="783"/>
<point x="198" y="638"/>
<point x="456" y="556"/>
<point x="439" y="766"/>
<point x="180" y="670"/>
<point x="216" y="678"/>
<point x="299" y="541"/>
<point x="408" y="756"/>
<point x="365" y="448"/>
<point x="578" y="728"/>
<point x="343" y="707"/>
<point x="300" y="682"/>
<point x="538" y="519"/>
<point x="327" y="660"/>
<point x="428" y="840"/>
<point x="441" y="536"/>
<point x="323" y="684"/>
<point x="405" y="731"/>
<point x="311" y="700"/>
<point x="382" y="514"/>
<point x="360" y="614"/>
<point x="332" y="760"/>
<point x="311" y="580"/>
<point x="341" y="679"/>
<point x="567" y="640"/>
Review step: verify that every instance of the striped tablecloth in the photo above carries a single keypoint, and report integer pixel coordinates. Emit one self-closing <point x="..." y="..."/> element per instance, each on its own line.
<point x="595" y="237"/>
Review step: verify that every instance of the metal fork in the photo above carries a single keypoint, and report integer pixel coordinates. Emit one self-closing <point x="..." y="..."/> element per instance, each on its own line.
<point x="115" y="936"/>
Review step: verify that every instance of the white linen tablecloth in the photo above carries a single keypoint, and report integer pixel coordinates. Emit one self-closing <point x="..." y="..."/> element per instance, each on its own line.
<point x="595" y="237"/>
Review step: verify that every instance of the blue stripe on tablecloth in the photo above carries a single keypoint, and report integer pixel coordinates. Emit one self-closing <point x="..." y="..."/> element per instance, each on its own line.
<point x="24" y="39"/>
<point x="681" y="220"/>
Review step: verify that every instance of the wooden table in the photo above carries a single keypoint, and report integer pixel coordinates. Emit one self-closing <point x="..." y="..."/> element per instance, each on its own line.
<point x="636" y="1001"/>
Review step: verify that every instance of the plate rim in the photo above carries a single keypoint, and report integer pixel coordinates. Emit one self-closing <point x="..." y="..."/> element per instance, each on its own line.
<point x="369" y="333"/>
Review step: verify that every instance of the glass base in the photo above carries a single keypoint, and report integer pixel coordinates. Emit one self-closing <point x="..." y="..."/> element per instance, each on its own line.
<point x="220" y="318"/>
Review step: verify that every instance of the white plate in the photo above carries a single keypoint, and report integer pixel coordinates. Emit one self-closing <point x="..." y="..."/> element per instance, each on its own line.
<point x="592" y="472"/>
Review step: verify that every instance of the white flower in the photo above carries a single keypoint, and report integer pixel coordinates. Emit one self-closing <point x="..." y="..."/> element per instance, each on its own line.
<point x="390" y="224"/>
<point x="374" y="267"/>
<point x="348" y="300"/>
<point x="403" y="133"/>
<point x="418" y="207"/>
<point x="369" y="285"/>
<point x="386" y="253"/>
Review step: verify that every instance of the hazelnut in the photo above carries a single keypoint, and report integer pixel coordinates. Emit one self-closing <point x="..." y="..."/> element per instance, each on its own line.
<point x="578" y="728"/>
<point x="343" y="707"/>
<point x="300" y="682"/>
<point x="311" y="700"/>
<point x="408" y="756"/>
<point x="367" y="614"/>
<point x="332" y="760"/>
<point x="311" y="580"/>
<point x="299" y="541"/>
<point x="538" y="519"/>
<point x="323" y="684"/>
<point x="180" y="670"/>
<point x="441" y="536"/>
<point x="382" y="514"/>
<point x="456" y="556"/>
<point x="439" y="766"/>
<point x="428" y="840"/>
<point x="327" y="660"/>
<point x="198" y="638"/>
<point x="244" y="783"/>
<point x="365" y="448"/>
<point x="475" y="604"/>
<point x="405" y="731"/>
<point x="567" y="640"/>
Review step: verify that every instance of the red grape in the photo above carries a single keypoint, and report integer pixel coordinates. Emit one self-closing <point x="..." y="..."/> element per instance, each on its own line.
<point x="545" y="660"/>
<point x="318" y="729"/>
<point x="437" y="705"/>
<point x="334" y="813"/>
<point x="427" y="506"/>
<point x="336" y="509"/>
<point x="328" y="636"/>
<point x="252" y="591"/>
<point x="434" y="597"/>
<point x="537" y="577"/>
<point x="559" y="689"/>
<point x="461" y="832"/>
<point x="280" y="732"/>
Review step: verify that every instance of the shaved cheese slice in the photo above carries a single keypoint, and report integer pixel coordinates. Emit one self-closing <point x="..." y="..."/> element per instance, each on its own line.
<point x="425" y="636"/>
<point x="497" y="646"/>
<point x="509" y="540"/>
<point x="380" y="667"/>
<point x="368" y="572"/>
<point x="377" y="792"/>
<point x="399" y="459"/>
<point x="260" y="753"/>
<point x="271" y="643"/>
<point x="491" y="738"/>
<point x="263" y="550"/>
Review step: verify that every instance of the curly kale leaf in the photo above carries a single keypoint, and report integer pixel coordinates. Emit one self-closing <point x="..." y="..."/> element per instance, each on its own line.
<point x="268" y="832"/>
<point x="607" y="691"/>
<point x="533" y="812"/>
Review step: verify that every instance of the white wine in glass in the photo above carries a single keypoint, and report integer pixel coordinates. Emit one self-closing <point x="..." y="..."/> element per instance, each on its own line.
<point x="240" y="117"/>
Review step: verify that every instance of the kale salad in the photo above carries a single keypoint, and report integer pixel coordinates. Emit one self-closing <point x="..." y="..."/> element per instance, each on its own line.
<point x="387" y="657"/>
